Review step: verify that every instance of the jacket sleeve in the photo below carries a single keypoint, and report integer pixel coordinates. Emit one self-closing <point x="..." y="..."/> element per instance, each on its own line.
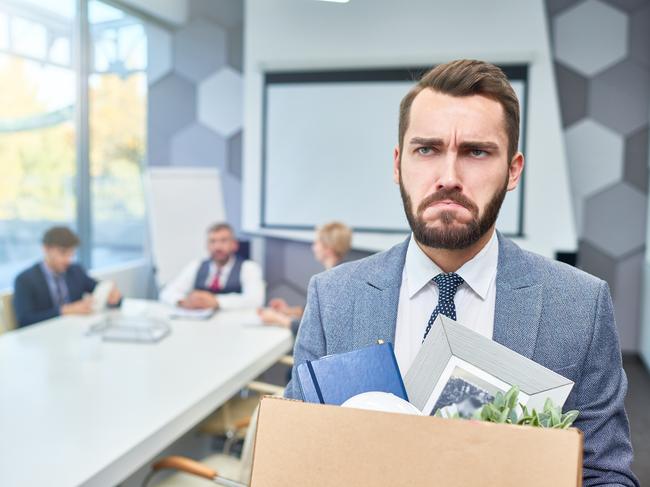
<point x="310" y="342"/>
<point x="88" y="284"/>
<point x="599" y="398"/>
<point x="25" y="303"/>
<point x="179" y="287"/>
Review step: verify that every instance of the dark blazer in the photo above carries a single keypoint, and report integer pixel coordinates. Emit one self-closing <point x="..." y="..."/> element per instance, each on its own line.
<point x="32" y="300"/>
<point x="549" y="312"/>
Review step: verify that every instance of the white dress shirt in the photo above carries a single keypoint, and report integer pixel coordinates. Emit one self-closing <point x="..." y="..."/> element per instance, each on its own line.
<point x="474" y="299"/>
<point x="253" y="286"/>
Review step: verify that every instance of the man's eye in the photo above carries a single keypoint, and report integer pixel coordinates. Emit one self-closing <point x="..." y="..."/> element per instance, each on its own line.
<point x="424" y="150"/>
<point x="478" y="153"/>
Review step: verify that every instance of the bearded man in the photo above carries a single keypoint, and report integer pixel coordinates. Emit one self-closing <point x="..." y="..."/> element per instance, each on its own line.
<point x="455" y="160"/>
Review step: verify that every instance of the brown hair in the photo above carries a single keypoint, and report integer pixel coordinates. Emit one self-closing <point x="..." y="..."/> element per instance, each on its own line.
<point x="336" y="236"/>
<point x="60" y="237"/>
<point x="466" y="77"/>
<point x="216" y="227"/>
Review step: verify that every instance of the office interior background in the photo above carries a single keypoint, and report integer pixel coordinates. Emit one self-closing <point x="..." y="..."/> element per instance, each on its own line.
<point x="92" y="93"/>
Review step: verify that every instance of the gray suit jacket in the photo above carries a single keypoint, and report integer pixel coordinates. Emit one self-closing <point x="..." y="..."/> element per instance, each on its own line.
<point x="552" y="313"/>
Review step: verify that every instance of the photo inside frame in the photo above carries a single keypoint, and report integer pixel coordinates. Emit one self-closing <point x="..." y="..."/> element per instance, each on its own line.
<point x="464" y="388"/>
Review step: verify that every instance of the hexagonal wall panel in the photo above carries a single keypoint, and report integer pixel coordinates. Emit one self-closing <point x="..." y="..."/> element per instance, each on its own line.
<point x="159" y="52"/>
<point x="236" y="48"/>
<point x="627" y="299"/>
<point x="157" y="148"/>
<point x="199" y="49"/>
<point x="595" y="156"/>
<point x="626" y="5"/>
<point x="615" y="220"/>
<point x="172" y="105"/>
<point x="232" y="199"/>
<point x="572" y="88"/>
<point x="640" y="35"/>
<point x="590" y="36"/>
<point x="235" y="155"/>
<point x="555" y="6"/>
<point x="596" y="262"/>
<point x="636" y="160"/>
<point x="619" y="97"/>
<point x="197" y="145"/>
<point x="220" y="102"/>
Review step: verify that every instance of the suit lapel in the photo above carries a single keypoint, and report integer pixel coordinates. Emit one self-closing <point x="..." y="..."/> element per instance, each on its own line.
<point x="44" y="287"/>
<point x="518" y="306"/>
<point x="375" y="305"/>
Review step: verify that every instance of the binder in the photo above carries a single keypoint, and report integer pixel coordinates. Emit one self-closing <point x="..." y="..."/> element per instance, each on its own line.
<point x="335" y="378"/>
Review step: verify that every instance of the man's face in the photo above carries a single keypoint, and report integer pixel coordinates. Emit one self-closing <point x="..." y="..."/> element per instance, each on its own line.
<point x="453" y="168"/>
<point x="222" y="245"/>
<point x="58" y="258"/>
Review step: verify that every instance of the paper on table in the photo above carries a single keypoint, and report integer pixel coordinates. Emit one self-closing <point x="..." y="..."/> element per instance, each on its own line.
<point x="191" y="314"/>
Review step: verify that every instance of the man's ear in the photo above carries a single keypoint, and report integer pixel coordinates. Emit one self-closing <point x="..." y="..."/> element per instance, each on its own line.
<point x="396" y="157"/>
<point x="515" y="170"/>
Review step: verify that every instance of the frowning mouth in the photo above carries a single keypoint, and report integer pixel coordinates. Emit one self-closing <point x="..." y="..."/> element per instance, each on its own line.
<point x="447" y="204"/>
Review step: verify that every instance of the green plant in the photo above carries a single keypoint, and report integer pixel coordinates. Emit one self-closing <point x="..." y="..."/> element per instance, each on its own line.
<point x="503" y="409"/>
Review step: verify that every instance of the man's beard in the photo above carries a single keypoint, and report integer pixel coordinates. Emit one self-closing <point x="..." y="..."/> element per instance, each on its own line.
<point x="449" y="236"/>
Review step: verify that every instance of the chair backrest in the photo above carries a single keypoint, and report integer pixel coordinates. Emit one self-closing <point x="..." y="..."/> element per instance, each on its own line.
<point x="247" y="450"/>
<point x="7" y="315"/>
<point x="248" y="447"/>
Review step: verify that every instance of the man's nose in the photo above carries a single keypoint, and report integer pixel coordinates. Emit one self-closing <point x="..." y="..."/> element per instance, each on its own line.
<point x="448" y="177"/>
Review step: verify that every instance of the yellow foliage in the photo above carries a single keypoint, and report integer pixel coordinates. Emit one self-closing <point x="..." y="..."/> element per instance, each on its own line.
<point x="39" y="166"/>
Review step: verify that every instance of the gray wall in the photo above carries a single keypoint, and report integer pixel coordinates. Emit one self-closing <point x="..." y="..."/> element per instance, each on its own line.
<point x="602" y="63"/>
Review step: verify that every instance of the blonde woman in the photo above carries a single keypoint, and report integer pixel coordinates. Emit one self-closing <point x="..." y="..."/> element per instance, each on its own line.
<point x="331" y="245"/>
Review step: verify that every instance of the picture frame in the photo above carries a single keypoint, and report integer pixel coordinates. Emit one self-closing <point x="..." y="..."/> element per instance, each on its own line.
<point x="460" y="368"/>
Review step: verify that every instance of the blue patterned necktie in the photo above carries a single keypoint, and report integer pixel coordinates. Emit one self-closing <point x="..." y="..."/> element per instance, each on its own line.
<point x="447" y="286"/>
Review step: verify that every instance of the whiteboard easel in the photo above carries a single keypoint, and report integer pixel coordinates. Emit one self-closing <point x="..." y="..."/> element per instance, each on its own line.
<point x="183" y="202"/>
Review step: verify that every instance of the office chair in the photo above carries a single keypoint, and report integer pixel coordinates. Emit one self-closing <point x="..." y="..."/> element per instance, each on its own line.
<point x="220" y="468"/>
<point x="7" y="314"/>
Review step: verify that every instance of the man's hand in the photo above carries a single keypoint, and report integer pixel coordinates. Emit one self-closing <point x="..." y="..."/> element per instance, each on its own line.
<point x="279" y="304"/>
<point x="114" y="297"/>
<point x="82" y="307"/>
<point x="199" y="300"/>
<point x="272" y="317"/>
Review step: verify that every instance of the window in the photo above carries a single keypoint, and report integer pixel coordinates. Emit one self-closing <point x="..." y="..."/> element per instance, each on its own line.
<point x="39" y="136"/>
<point x="118" y="107"/>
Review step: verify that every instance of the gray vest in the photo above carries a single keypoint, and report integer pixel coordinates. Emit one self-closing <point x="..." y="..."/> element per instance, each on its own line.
<point x="234" y="279"/>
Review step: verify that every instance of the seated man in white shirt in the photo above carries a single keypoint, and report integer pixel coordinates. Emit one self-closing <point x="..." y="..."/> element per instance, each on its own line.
<point x="224" y="281"/>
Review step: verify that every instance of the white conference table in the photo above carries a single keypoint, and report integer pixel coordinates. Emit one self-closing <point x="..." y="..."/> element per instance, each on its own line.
<point x="75" y="410"/>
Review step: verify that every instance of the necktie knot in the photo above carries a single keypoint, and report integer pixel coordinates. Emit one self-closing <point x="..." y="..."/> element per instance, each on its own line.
<point x="448" y="284"/>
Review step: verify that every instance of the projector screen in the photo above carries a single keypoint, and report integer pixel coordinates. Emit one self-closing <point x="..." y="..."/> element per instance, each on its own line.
<point x="328" y="146"/>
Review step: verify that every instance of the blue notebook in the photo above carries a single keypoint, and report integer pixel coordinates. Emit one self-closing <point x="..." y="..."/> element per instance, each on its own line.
<point x="335" y="378"/>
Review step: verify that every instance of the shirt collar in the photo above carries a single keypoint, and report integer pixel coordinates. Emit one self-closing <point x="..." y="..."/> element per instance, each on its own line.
<point x="226" y="267"/>
<point x="478" y="273"/>
<point x="49" y="272"/>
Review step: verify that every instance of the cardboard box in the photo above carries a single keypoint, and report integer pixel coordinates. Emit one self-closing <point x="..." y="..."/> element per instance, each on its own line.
<point x="313" y="445"/>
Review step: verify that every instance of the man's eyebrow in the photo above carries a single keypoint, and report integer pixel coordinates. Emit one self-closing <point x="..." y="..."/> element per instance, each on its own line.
<point x="425" y="141"/>
<point x="482" y="145"/>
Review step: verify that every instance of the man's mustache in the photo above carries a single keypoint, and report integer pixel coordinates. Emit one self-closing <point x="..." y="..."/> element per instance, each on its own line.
<point x="449" y="195"/>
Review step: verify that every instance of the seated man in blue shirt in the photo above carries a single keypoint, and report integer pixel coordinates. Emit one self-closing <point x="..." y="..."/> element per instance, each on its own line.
<point x="55" y="286"/>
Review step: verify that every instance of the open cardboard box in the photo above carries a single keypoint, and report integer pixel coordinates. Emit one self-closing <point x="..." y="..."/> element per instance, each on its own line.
<point x="313" y="445"/>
